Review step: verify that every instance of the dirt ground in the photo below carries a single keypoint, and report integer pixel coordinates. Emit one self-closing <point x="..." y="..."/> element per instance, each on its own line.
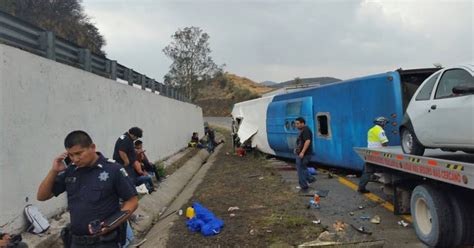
<point x="270" y="212"/>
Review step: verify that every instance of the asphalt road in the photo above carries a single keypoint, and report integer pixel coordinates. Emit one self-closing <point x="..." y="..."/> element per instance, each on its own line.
<point x="224" y="122"/>
<point x="342" y="200"/>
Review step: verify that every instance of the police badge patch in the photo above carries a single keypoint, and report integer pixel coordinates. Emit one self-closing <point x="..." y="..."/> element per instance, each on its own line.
<point x="103" y="176"/>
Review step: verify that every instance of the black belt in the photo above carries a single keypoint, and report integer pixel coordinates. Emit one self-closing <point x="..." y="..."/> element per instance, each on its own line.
<point x="91" y="240"/>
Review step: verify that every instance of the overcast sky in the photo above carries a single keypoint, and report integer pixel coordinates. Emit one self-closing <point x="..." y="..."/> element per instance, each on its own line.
<point x="280" y="40"/>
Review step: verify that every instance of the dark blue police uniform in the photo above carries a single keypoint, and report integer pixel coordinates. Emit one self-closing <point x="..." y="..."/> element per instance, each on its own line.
<point x="93" y="192"/>
<point x="125" y="144"/>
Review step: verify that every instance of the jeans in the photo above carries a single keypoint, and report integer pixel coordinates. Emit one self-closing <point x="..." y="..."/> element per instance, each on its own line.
<point x="130" y="236"/>
<point x="365" y="178"/>
<point x="302" y="169"/>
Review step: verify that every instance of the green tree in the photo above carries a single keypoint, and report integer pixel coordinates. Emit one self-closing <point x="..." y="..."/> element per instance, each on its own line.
<point x="297" y="81"/>
<point x="66" y="18"/>
<point x="190" y="53"/>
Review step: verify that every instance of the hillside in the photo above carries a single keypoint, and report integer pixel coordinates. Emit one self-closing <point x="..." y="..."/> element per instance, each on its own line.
<point x="315" y="80"/>
<point x="217" y="96"/>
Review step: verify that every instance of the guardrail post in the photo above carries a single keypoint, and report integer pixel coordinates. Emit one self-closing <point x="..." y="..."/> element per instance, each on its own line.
<point x="167" y="90"/>
<point x="161" y="89"/>
<point x="128" y="76"/>
<point x="143" y="81"/>
<point x="48" y="44"/>
<point x="153" y="85"/>
<point x="111" y="67"/>
<point x="85" y="59"/>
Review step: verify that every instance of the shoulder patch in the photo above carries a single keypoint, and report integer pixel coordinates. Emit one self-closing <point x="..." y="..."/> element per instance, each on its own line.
<point x="123" y="172"/>
<point x="111" y="160"/>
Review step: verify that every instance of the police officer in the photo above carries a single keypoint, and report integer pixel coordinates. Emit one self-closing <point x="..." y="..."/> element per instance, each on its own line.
<point x="376" y="138"/>
<point x="124" y="150"/>
<point x="94" y="186"/>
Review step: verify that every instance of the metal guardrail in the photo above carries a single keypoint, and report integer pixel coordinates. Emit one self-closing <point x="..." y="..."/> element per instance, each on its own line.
<point x="18" y="33"/>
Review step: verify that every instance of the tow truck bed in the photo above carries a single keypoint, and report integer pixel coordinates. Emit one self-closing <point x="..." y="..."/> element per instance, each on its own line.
<point x="449" y="167"/>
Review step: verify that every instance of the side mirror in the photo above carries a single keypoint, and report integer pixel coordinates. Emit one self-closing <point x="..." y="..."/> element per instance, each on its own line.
<point x="463" y="90"/>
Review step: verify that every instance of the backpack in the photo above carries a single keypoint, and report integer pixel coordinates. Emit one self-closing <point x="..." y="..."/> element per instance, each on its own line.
<point x="38" y="223"/>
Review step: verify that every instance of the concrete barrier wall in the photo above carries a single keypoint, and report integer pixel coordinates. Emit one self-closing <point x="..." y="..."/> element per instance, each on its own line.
<point x="41" y="101"/>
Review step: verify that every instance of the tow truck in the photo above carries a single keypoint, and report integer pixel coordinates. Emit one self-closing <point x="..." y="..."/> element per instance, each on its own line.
<point x="437" y="189"/>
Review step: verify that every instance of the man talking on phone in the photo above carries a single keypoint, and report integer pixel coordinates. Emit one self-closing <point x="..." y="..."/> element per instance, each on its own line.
<point x="94" y="185"/>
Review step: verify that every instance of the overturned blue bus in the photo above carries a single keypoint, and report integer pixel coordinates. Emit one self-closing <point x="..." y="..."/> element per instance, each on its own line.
<point x="339" y="115"/>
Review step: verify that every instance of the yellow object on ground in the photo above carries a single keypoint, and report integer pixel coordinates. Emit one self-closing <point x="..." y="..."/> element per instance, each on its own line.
<point x="190" y="213"/>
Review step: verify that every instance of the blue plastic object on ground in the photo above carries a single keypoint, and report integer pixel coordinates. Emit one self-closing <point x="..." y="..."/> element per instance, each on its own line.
<point x="312" y="171"/>
<point x="204" y="221"/>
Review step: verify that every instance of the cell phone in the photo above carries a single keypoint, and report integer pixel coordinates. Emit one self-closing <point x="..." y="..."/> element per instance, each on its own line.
<point x="115" y="217"/>
<point x="96" y="226"/>
<point x="67" y="161"/>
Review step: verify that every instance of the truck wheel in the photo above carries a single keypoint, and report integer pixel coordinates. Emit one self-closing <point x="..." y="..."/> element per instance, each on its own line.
<point x="410" y="144"/>
<point x="432" y="214"/>
<point x="463" y="220"/>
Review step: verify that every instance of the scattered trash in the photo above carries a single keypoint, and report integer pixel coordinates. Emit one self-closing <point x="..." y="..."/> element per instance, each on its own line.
<point x="233" y="209"/>
<point x="232" y="215"/>
<point x="180" y="212"/>
<point x="260" y="178"/>
<point x="364" y="218"/>
<point x="403" y="223"/>
<point x="351" y="176"/>
<point x="361" y="207"/>
<point x="315" y="201"/>
<point x="252" y="232"/>
<point x="298" y="187"/>
<point x="240" y="152"/>
<point x="361" y="230"/>
<point x="375" y="220"/>
<point x="227" y="153"/>
<point x="317" y="221"/>
<point x="339" y="226"/>
<point x="327" y="236"/>
<point x="322" y="193"/>
<point x="312" y="171"/>
<point x="351" y="213"/>
<point x="269" y="231"/>
<point x="204" y="221"/>
<point x="190" y="213"/>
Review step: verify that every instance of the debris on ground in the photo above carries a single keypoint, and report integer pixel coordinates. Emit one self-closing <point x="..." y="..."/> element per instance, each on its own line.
<point x="361" y="207"/>
<point x="351" y="213"/>
<point x="318" y="221"/>
<point x="339" y="226"/>
<point x="260" y="178"/>
<point x="205" y="221"/>
<point x="327" y="236"/>
<point x="232" y="209"/>
<point x="232" y="215"/>
<point x="364" y="218"/>
<point x="375" y="219"/>
<point x="361" y="230"/>
<point x="403" y="223"/>
<point x="252" y="232"/>
<point x="312" y="171"/>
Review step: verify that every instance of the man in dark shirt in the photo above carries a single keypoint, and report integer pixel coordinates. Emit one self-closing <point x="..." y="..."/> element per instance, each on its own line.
<point x="124" y="150"/>
<point x="303" y="151"/>
<point x="94" y="186"/>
